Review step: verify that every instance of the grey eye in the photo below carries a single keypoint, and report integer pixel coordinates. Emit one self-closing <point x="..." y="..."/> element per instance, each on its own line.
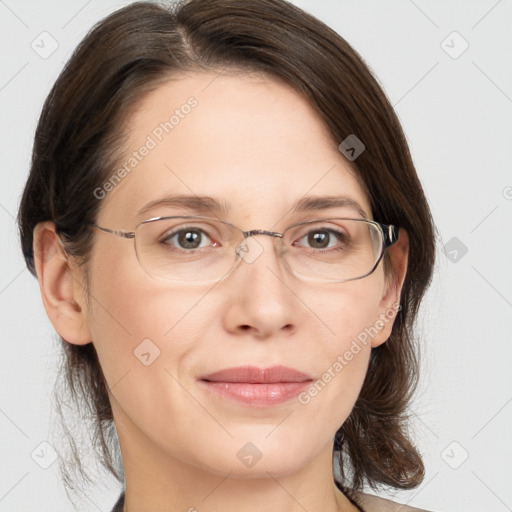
<point x="322" y="239"/>
<point x="189" y="238"/>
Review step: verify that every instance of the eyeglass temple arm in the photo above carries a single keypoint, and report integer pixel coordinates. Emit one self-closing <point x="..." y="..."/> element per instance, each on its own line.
<point x="391" y="234"/>
<point x="122" y="234"/>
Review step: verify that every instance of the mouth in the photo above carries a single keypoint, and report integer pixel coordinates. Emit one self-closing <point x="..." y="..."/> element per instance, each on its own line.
<point x="257" y="387"/>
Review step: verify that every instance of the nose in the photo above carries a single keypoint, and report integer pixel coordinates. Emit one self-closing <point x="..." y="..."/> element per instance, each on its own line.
<point x="261" y="301"/>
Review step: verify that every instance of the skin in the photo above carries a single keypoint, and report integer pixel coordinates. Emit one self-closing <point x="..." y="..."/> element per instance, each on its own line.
<point x="255" y="143"/>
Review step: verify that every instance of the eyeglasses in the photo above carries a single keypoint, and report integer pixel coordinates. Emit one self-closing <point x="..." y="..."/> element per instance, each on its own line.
<point x="202" y="249"/>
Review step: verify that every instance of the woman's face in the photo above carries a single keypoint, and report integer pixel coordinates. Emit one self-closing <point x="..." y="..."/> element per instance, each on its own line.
<point x="255" y="146"/>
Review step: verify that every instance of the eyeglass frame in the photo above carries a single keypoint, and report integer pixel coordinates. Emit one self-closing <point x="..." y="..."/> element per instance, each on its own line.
<point x="390" y="235"/>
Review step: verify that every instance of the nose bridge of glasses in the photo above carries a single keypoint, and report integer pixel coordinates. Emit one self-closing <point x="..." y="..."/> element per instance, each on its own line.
<point x="249" y="249"/>
<point x="253" y="232"/>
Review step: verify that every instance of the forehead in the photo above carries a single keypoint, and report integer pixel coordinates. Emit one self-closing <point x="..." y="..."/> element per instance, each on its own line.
<point x="247" y="140"/>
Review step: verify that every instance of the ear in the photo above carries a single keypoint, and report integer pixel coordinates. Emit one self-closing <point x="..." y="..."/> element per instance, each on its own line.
<point x="60" y="285"/>
<point x="389" y="304"/>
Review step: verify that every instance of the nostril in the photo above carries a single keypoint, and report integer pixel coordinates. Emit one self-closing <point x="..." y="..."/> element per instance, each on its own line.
<point x="289" y="328"/>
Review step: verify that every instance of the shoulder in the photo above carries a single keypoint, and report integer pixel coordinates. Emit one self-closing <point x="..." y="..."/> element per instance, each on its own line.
<point x="372" y="503"/>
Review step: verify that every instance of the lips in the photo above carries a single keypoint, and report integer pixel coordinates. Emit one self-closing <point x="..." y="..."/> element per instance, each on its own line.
<point x="256" y="387"/>
<point x="253" y="375"/>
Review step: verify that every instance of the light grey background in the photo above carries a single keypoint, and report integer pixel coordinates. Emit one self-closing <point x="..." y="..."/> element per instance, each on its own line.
<point x="456" y="113"/>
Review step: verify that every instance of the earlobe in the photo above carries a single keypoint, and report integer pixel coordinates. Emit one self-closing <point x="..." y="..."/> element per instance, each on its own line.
<point x="390" y="301"/>
<point x="60" y="286"/>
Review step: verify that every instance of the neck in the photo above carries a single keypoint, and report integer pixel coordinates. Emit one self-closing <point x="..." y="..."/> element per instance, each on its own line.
<point x="160" y="481"/>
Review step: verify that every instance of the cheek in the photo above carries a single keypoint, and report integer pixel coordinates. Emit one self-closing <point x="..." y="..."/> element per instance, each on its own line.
<point x="347" y="312"/>
<point x="135" y="320"/>
<point x="348" y="316"/>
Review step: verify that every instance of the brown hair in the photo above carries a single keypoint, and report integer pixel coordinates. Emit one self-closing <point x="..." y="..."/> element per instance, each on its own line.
<point x="78" y="137"/>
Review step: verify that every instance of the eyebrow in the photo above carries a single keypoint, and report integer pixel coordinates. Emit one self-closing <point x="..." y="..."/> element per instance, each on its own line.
<point x="309" y="204"/>
<point x="207" y="204"/>
<point x="199" y="204"/>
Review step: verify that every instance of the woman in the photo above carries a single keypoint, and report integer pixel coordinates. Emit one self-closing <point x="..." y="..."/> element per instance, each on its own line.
<point x="232" y="242"/>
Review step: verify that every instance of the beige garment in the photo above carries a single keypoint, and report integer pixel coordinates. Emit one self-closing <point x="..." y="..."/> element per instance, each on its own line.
<point x="372" y="503"/>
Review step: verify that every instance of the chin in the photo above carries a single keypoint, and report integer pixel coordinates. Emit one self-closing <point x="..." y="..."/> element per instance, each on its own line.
<point x="245" y="459"/>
